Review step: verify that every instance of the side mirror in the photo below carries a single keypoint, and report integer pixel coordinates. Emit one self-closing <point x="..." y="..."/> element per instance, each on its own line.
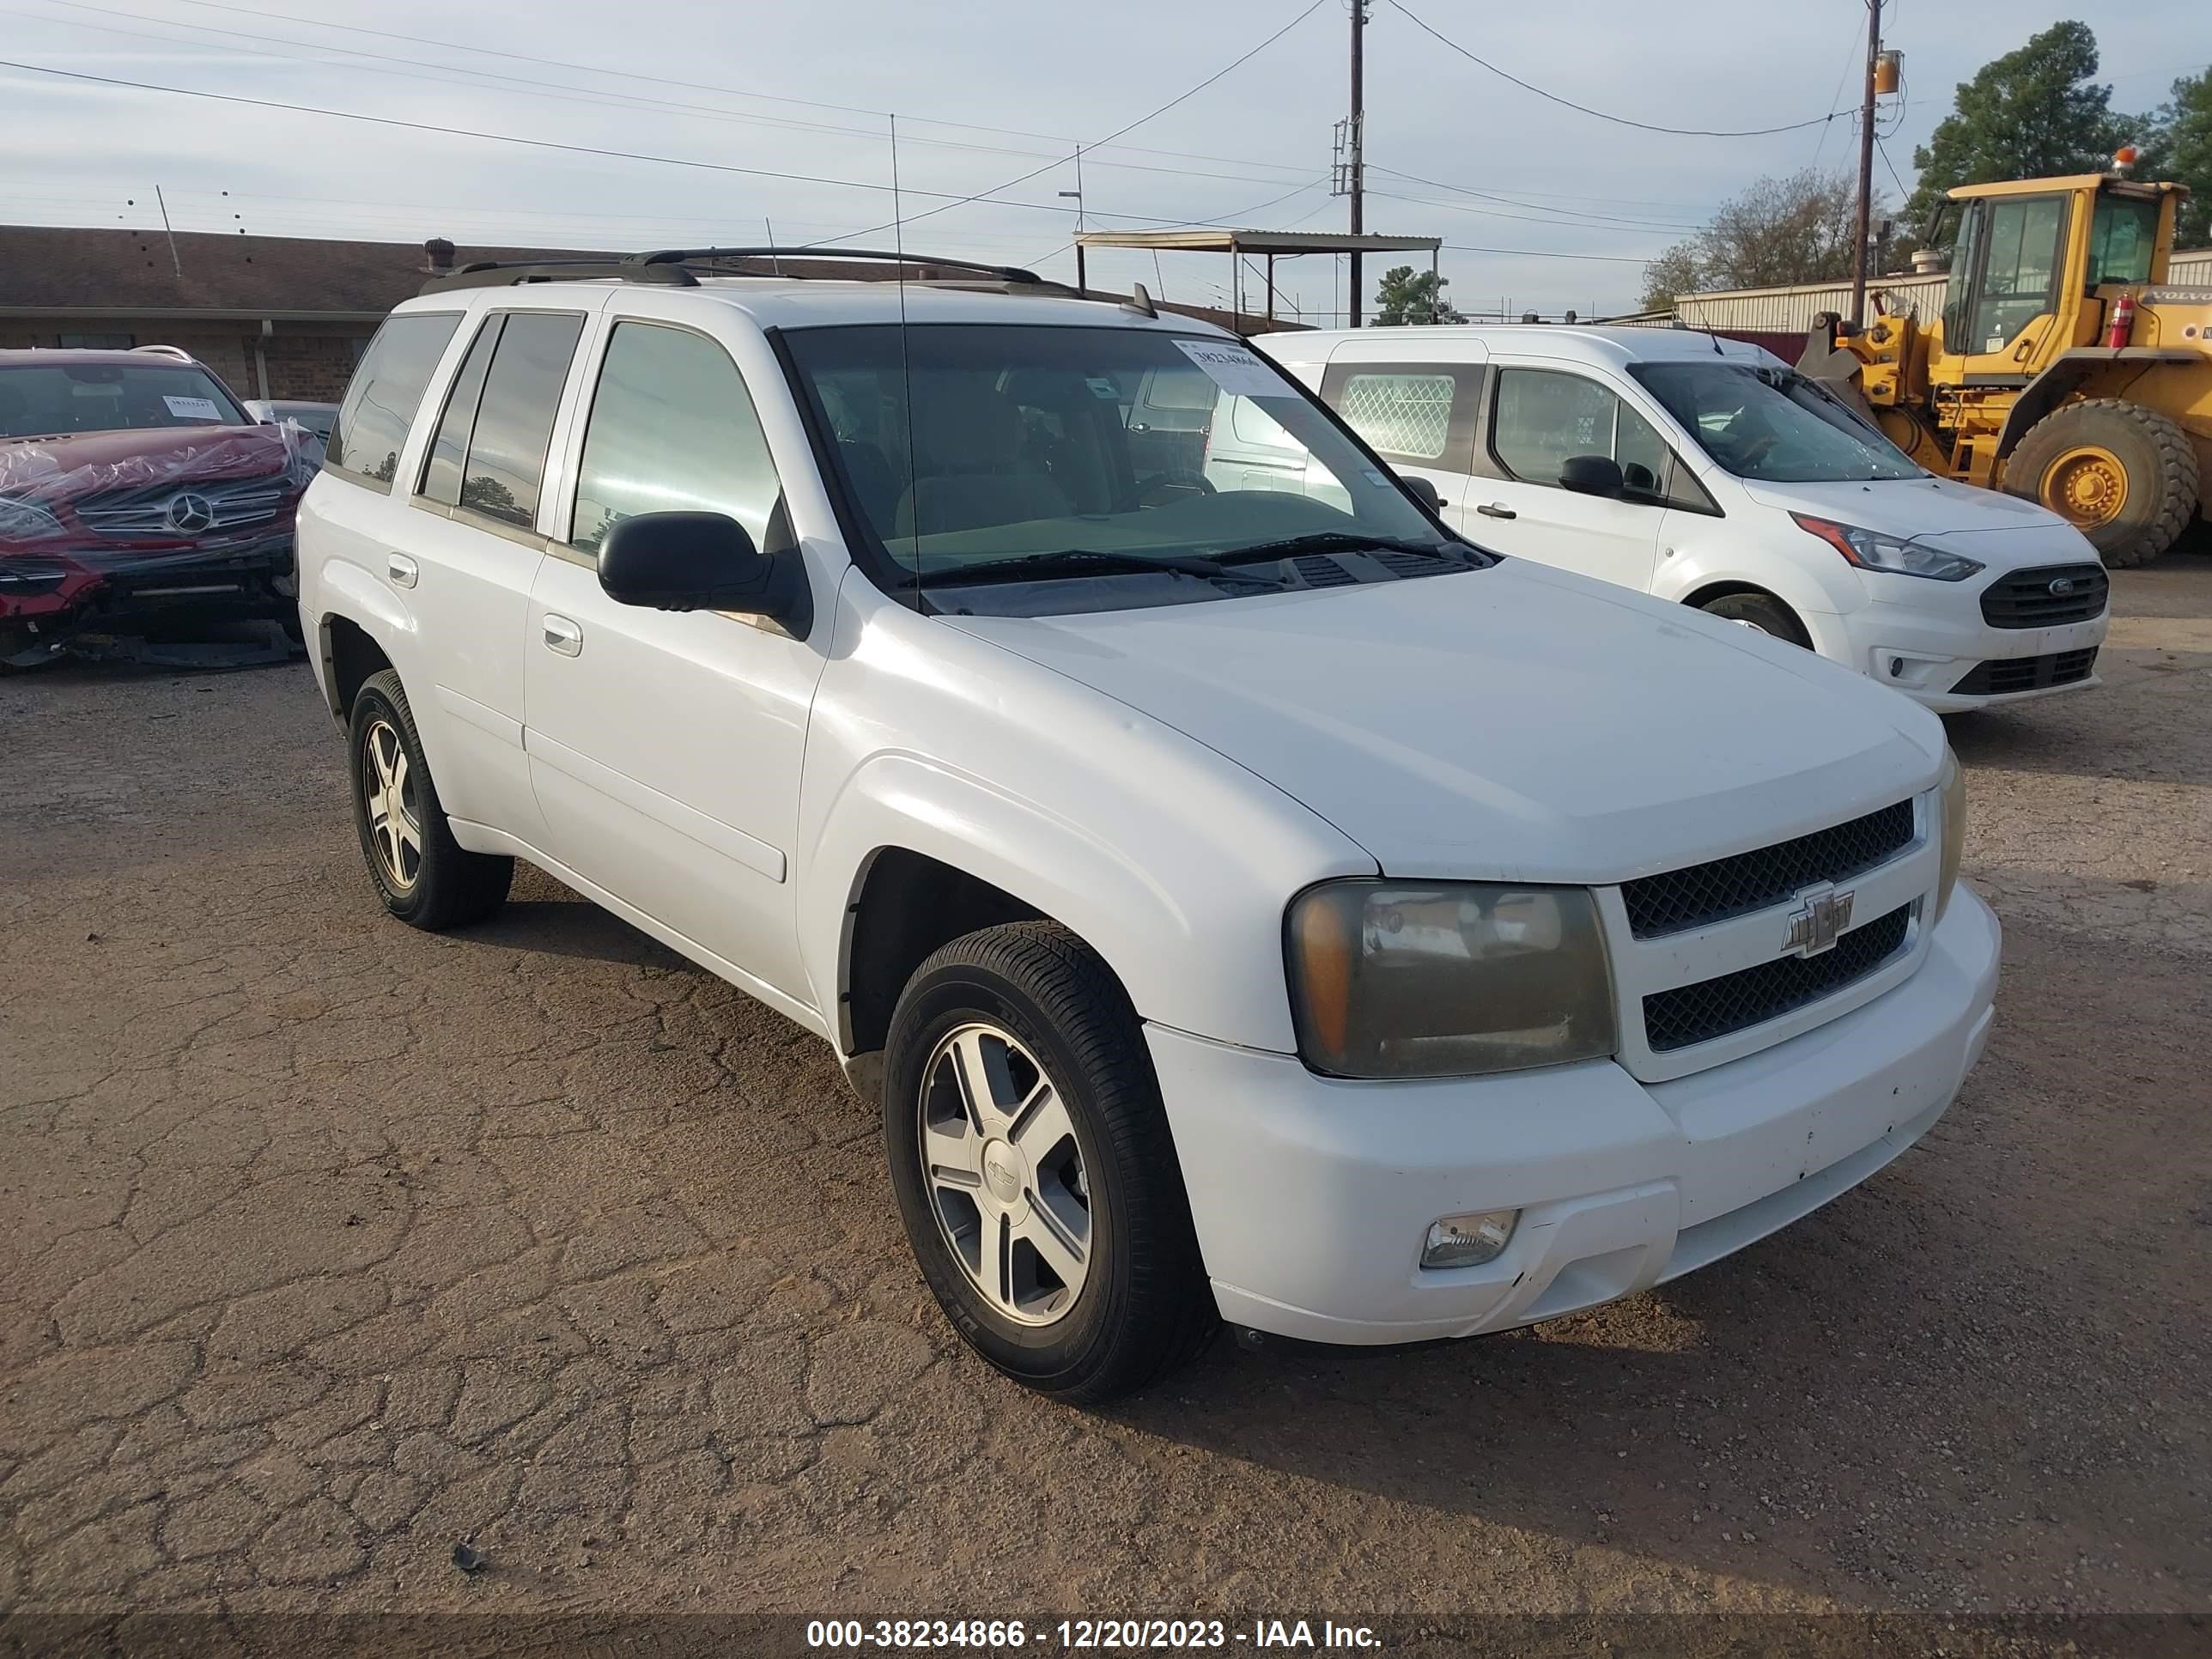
<point x="703" y="562"/>
<point x="1591" y="475"/>
<point x="1423" y="491"/>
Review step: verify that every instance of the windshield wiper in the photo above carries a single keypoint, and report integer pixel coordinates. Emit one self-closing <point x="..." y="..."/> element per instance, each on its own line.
<point x="1346" y="541"/>
<point x="1090" y="562"/>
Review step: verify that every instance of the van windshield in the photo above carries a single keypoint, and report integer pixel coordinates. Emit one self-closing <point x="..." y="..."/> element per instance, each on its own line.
<point x="1772" y="424"/>
<point x="1092" y="454"/>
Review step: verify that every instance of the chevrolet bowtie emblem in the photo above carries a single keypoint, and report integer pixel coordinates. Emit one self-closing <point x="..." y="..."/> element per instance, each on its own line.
<point x="1821" y="915"/>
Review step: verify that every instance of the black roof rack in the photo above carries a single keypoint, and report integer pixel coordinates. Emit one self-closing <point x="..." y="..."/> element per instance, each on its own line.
<point x="671" y="267"/>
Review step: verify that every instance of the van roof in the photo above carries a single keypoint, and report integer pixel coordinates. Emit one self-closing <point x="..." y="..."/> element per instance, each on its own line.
<point x="1616" y="347"/>
<point x="817" y="302"/>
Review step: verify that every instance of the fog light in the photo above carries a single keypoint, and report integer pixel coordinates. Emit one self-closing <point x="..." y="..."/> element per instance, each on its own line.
<point x="1469" y="1241"/>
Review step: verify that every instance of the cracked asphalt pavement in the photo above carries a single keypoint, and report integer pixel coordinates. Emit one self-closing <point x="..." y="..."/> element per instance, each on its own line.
<point x="326" y="1246"/>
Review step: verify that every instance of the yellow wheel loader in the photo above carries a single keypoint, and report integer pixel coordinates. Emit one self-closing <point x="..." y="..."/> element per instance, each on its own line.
<point x="2062" y="367"/>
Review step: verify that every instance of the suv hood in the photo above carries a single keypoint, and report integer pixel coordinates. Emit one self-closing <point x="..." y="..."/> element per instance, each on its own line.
<point x="1988" y="525"/>
<point x="1517" y="723"/>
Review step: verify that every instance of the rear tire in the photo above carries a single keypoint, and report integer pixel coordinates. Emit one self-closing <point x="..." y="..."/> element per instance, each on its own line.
<point x="1763" y="611"/>
<point x="1116" y="1294"/>
<point x="2124" y="475"/>
<point x="425" y="877"/>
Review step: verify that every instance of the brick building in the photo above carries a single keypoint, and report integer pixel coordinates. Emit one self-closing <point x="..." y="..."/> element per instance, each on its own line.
<point x="275" y="316"/>
<point x="282" y="317"/>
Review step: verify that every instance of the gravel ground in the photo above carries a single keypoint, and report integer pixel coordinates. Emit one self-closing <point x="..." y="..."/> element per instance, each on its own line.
<point x="326" y="1245"/>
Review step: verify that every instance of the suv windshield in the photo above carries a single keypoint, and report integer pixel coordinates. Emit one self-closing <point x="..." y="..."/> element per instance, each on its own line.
<point x="1093" y="454"/>
<point x="44" y="400"/>
<point x="1772" y="423"/>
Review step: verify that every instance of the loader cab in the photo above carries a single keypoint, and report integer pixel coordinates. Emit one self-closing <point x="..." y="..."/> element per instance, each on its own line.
<point x="2026" y="261"/>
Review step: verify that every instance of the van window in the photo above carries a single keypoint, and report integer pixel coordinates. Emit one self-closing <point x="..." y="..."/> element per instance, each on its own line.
<point x="1546" y="418"/>
<point x="672" y="429"/>
<point x="386" y="391"/>
<point x="1400" y="414"/>
<point x="505" y="463"/>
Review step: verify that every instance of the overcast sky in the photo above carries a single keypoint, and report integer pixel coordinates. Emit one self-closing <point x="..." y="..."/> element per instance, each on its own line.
<point x="803" y="89"/>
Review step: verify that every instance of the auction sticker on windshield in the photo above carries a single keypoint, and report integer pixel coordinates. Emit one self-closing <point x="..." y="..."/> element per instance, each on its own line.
<point x="1234" y="369"/>
<point x="193" y="409"/>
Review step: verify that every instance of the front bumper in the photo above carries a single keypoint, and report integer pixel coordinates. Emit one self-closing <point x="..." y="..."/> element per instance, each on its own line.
<point x="1925" y="653"/>
<point x="1311" y="1195"/>
<point x="106" y="593"/>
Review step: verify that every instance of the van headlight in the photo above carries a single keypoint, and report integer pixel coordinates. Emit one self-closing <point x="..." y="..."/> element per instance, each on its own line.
<point x="1951" y="802"/>
<point x="1396" y="979"/>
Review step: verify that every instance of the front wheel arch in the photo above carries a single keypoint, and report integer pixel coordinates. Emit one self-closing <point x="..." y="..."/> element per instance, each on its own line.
<point x="1712" y="593"/>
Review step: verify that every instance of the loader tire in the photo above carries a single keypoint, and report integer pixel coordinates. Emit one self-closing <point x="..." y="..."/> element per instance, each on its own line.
<point x="2123" y="474"/>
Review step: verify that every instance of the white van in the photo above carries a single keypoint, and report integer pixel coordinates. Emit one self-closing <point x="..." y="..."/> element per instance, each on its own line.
<point x="1708" y="472"/>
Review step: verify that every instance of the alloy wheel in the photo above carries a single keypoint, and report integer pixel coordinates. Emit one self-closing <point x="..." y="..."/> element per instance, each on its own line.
<point x="387" y="788"/>
<point x="1005" y="1174"/>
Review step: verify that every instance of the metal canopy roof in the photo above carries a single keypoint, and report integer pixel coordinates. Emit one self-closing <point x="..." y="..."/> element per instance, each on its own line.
<point x="1209" y="240"/>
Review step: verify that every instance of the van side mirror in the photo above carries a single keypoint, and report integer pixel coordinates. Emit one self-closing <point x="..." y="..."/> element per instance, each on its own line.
<point x="1591" y="475"/>
<point x="1423" y="491"/>
<point x="703" y="562"/>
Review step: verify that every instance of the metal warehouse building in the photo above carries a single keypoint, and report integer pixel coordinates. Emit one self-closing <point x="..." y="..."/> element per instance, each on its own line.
<point x="1788" y="312"/>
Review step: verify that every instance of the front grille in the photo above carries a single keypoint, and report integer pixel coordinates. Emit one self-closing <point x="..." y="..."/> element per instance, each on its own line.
<point x="2024" y="599"/>
<point x="1690" y="1014"/>
<point x="1996" y="677"/>
<point x="232" y="504"/>
<point x="1704" y="893"/>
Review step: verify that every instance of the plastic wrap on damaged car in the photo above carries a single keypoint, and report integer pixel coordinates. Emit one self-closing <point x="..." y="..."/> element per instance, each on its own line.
<point x="118" y="532"/>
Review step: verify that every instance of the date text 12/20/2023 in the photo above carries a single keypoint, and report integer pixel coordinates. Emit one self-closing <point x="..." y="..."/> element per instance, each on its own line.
<point x="1107" y="1635"/>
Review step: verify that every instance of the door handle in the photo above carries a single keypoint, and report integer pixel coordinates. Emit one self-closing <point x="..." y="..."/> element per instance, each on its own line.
<point x="1497" y="510"/>
<point x="563" y="635"/>
<point x="402" y="570"/>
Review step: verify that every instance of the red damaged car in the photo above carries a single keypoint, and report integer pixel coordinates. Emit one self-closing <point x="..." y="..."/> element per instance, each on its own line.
<point x="137" y="500"/>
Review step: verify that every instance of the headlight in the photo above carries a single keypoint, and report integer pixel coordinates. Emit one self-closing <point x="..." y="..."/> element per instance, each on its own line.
<point x="1447" y="979"/>
<point x="23" y="522"/>
<point x="1870" y="549"/>
<point x="1951" y="793"/>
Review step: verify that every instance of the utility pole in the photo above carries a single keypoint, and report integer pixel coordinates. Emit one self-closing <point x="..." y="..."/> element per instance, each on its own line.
<point x="1866" y="167"/>
<point x="1357" y="157"/>
<point x="1081" y="285"/>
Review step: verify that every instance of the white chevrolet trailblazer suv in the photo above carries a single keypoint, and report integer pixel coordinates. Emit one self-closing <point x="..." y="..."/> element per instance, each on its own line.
<point x="1260" y="905"/>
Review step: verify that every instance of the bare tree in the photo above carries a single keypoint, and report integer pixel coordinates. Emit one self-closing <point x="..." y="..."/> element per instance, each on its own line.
<point x="1793" y="229"/>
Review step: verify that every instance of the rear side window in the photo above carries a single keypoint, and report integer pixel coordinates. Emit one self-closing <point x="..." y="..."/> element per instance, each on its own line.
<point x="672" y="429"/>
<point x="386" y="390"/>
<point x="441" y="469"/>
<point x="505" y="466"/>
<point x="1400" y="414"/>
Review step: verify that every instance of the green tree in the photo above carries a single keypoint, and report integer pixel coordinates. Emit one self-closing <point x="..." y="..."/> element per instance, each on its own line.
<point x="2176" y="142"/>
<point x="1405" y="295"/>
<point x="1799" y="229"/>
<point x="2030" y="113"/>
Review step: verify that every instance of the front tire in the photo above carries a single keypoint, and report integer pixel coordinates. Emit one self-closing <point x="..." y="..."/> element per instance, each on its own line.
<point x="2123" y="474"/>
<point x="1763" y="611"/>
<point x="1035" y="1172"/>
<point x="424" y="877"/>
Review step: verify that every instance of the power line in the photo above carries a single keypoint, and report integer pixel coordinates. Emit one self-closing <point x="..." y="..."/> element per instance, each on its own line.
<point x="572" y="150"/>
<point x="1548" y="253"/>
<point x="1566" y="214"/>
<point x="1118" y="132"/>
<point x="1618" y="120"/>
<point x="1892" y="166"/>
<point x="266" y="17"/>
<point x="440" y="75"/>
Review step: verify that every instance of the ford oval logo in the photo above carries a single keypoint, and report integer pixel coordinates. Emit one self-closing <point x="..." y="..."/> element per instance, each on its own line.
<point x="2061" y="585"/>
<point x="190" y="513"/>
